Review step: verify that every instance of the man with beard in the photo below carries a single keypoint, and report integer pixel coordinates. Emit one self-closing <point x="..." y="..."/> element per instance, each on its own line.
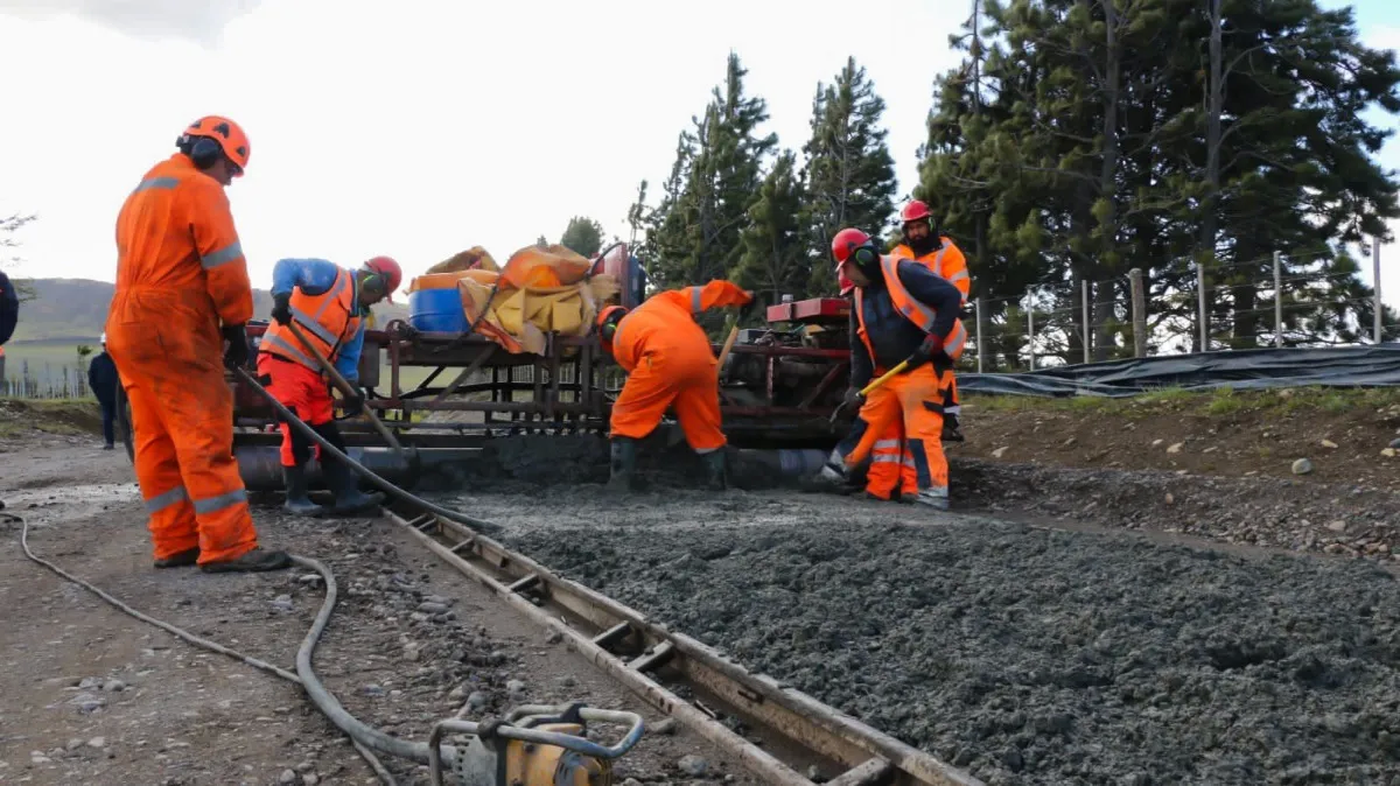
<point x="939" y="254"/>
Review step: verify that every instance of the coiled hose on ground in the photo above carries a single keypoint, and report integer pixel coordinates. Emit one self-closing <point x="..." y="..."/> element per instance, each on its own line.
<point x="365" y="738"/>
<point x="305" y="676"/>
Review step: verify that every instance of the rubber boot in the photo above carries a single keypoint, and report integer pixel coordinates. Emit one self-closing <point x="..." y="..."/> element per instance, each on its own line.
<point x="348" y="498"/>
<point x="934" y="498"/>
<point x="255" y="561"/>
<point x="951" y="430"/>
<point x="298" y="503"/>
<point x="180" y="559"/>
<point x="834" y="471"/>
<point x="623" y="464"/>
<point x="715" y="479"/>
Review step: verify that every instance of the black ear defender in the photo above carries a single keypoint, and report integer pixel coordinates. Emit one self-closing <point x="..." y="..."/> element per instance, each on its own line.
<point x="203" y="151"/>
<point x="865" y="255"/>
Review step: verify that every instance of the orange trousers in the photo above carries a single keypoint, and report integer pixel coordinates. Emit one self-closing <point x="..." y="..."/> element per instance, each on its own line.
<point x="182" y="418"/>
<point x="687" y="380"/>
<point x="304" y="392"/>
<point x="906" y="446"/>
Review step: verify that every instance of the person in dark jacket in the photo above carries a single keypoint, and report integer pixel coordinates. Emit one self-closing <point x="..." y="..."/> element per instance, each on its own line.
<point x="902" y="312"/>
<point x="9" y="308"/>
<point x="102" y="378"/>
<point x="9" y="315"/>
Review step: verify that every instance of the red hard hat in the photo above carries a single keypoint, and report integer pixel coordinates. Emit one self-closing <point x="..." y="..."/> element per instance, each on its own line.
<point x="390" y="270"/>
<point x="845" y="241"/>
<point x="914" y="211"/>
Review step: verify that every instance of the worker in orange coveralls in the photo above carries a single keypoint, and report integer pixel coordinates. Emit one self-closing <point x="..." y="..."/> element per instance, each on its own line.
<point x="328" y="304"/>
<point x="923" y="244"/>
<point x="901" y="311"/>
<point x="182" y="292"/>
<point x="668" y="360"/>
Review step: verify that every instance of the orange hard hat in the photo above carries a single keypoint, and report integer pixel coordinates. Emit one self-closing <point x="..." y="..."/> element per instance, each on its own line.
<point x="914" y="211"/>
<point x="228" y="134"/>
<point x="607" y="324"/>
<point x="390" y="270"/>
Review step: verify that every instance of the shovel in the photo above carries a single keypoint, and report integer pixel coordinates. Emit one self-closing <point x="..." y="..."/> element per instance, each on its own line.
<point x="874" y="385"/>
<point x="346" y="388"/>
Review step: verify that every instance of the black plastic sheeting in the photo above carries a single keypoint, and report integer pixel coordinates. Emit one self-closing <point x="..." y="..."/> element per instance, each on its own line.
<point x="1250" y="369"/>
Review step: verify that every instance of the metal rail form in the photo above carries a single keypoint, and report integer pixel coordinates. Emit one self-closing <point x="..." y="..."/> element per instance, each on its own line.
<point x="794" y="729"/>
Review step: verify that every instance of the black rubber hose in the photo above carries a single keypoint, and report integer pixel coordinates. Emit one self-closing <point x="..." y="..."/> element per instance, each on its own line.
<point x="358" y="732"/>
<point x="480" y="525"/>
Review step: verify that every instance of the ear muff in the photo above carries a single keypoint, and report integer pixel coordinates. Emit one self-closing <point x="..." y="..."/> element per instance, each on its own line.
<point x="205" y="153"/>
<point x="865" y="256"/>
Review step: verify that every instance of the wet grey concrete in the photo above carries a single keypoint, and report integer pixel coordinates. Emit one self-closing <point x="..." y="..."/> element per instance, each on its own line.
<point x="1024" y="655"/>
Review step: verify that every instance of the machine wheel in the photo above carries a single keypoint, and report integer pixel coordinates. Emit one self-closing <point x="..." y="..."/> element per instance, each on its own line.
<point x="124" y="424"/>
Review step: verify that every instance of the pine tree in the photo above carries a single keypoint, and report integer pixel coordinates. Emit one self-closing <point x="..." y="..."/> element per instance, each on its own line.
<point x="1170" y="135"/>
<point x="583" y="236"/>
<point x="713" y="183"/>
<point x="849" y="176"/>
<point x="776" y="260"/>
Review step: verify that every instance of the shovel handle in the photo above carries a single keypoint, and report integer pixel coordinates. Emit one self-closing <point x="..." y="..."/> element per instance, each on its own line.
<point x="883" y="378"/>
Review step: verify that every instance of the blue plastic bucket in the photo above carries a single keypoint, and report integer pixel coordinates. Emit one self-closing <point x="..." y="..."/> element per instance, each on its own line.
<point x="437" y="311"/>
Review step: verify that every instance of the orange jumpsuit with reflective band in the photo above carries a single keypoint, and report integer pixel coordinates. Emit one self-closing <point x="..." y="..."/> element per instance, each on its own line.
<point x="180" y="272"/>
<point x="668" y="360"/>
<point x="904" y="417"/>
<point x="949" y="263"/>
<point x="295" y="376"/>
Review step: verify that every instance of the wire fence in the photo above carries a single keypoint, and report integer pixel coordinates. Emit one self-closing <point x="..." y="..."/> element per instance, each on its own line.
<point x="1275" y="301"/>
<point x="44" y="380"/>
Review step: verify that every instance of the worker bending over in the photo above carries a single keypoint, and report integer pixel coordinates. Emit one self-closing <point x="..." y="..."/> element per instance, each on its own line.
<point x="668" y="360"/>
<point x="901" y="311"/>
<point x="923" y="244"/>
<point x="328" y="304"/>
<point x="182" y="292"/>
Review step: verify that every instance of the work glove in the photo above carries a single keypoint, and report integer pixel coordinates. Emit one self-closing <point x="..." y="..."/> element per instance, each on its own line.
<point x="353" y="407"/>
<point x="282" y="308"/>
<point x="236" y="355"/>
<point x="853" y="398"/>
<point x="930" y="350"/>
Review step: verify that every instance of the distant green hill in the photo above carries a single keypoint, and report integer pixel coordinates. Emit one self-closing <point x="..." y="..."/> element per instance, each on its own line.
<point x="73" y="311"/>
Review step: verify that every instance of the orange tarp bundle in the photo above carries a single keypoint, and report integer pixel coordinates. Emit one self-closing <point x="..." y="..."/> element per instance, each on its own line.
<point x="538" y="291"/>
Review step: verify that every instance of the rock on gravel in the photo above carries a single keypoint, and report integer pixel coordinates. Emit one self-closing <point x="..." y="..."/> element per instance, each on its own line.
<point x="1024" y="655"/>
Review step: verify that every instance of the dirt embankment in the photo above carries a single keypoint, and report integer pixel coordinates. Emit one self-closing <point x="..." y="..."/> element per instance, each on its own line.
<point x="1346" y="436"/>
<point x="21" y="419"/>
<point x="1303" y="470"/>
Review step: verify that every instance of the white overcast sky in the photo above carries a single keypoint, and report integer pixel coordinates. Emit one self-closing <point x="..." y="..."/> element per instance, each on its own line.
<point x="419" y="128"/>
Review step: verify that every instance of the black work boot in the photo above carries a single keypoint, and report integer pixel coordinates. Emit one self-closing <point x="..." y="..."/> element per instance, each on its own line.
<point x="715" y="479"/>
<point x="623" y="465"/>
<point x="294" y="478"/>
<point x="255" y="561"/>
<point x="348" y="498"/>
<point x="180" y="559"/>
<point x="951" y="430"/>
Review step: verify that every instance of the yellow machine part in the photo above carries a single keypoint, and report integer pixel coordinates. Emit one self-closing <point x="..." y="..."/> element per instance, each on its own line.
<point x="532" y="764"/>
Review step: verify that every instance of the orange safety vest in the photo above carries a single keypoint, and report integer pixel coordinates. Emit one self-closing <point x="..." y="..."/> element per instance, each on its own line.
<point x="326" y="320"/>
<point x="951" y="266"/>
<point x="912" y="309"/>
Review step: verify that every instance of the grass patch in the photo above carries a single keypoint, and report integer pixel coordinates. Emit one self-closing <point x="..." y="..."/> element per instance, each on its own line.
<point x="1219" y="402"/>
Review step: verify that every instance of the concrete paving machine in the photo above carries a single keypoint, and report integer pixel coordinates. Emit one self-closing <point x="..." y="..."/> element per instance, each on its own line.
<point x="779" y="387"/>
